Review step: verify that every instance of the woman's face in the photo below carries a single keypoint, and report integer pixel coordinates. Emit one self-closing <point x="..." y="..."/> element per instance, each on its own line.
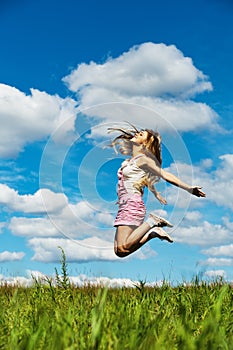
<point x="140" y="137"/>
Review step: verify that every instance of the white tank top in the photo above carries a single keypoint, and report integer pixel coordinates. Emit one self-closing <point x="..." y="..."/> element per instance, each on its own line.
<point x="132" y="174"/>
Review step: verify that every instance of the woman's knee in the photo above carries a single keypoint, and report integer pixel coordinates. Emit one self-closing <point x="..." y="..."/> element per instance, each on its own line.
<point x="121" y="252"/>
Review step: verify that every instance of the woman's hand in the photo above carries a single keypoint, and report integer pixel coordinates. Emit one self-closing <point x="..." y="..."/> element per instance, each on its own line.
<point x="160" y="198"/>
<point x="157" y="194"/>
<point x="196" y="191"/>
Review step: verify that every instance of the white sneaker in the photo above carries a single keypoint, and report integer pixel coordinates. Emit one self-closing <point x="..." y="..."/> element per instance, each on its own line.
<point x="160" y="222"/>
<point x="157" y="232"/>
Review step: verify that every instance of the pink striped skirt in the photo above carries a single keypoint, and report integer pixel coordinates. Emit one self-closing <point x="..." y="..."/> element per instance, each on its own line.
<point x="131" y="212"/>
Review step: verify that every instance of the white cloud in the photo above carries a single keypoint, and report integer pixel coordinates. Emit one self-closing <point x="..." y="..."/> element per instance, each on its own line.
<point x="105" y="218"/>
<point x="79" y="281"/>
<point x="157" y="69"/>
<point x="11" y="256"/>
<point x="193" y="216"/>
<point x="217" y="184"/>
<point x="215" y="273"/>
<point x="35" y="274"/>
<point x="156" y="113"/>
<point x="28" y="118"/>
<point x="61" y="218"/>
<point x="223" y="250"/>
<point x="220" y="183"/>
<point x="151" y="80"/>
<point x="84" y="280"/>
<point x="90" y="249"/>
<point x="62" y="225"/>
<point x="227" y="223"/>
<point x="204" y="234"/>
<point x="16" y="281"/>
<point x="181" y="199"/>
<point x="83" y="209"/>
<point x="33" y="227"/>
<point x="42" y="201"/>
<point x="217" y="262"/>
<point x="82" y="250"/>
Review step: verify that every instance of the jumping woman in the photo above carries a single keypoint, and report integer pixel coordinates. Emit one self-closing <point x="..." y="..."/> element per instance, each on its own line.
<point x="142" y="169"/>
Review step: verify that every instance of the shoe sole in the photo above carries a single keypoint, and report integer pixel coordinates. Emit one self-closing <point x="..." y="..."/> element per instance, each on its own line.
<point x="164" y="237"/>
<point x="162" y="222"/>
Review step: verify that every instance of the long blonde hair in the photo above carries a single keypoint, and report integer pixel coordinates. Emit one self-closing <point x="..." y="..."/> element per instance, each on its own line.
<point x="152" y="149"/>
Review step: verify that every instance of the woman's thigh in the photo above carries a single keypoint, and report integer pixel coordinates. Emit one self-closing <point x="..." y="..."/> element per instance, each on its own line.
<point x="122" y="234"/>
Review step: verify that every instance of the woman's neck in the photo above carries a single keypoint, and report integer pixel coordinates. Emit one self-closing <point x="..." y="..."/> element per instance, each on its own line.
<point x="137" y="149"/>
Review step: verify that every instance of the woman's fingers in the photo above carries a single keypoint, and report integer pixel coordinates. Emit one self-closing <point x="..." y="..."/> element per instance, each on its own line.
<point x="196" y="191"/>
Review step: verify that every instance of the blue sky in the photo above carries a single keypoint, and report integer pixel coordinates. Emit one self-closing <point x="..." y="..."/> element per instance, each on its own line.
<point x="71" y="69"/>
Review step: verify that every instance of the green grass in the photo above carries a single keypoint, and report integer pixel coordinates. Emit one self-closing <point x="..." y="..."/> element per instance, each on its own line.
<point x="48" y="317"/>
<point x="62" y="316"/>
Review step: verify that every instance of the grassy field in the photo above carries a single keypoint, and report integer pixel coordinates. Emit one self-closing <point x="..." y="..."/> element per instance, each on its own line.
<point x="61" y="316"/>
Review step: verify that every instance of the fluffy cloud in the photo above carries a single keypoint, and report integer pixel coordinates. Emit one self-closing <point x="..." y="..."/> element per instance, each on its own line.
<point x="33" y="227"/>
<point x="215" y="273"/>
<point x="11" y="256"/>
<point x="79" y="281"/>
<point x="155" y="76"/>
<point x="74" y="221"/>
<point x="205" y="234"/>
<point x="35" y="274"/>
<point x="216" y="183"/>
<point x="158" y="70"/>
<point x="42" y="202"/>
<point x="60" y="218"/>
<point x="220" y="182"/>
<point x="194" y="216"/>
<point x="83" y="280"/>
<point x="85" y="250"/>
<point x="28" y="118"/>
<point x="223" y="250"/>
<point x="217" y="262"/>
<point x="16" y="281"/>
<point x="90" y="249"/>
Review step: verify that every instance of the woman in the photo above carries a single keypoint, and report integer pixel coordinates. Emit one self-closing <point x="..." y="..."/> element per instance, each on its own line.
<point x="142" y="169"/>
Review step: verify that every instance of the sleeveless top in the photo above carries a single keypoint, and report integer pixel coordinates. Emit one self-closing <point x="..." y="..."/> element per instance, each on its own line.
<point x="128" y="175"/>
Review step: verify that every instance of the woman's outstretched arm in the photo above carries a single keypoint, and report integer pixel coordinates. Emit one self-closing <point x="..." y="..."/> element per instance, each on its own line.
<point x="148" y="164"/>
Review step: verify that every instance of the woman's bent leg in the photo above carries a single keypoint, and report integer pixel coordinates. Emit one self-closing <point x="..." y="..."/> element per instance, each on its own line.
<point x="130" y="238"/>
